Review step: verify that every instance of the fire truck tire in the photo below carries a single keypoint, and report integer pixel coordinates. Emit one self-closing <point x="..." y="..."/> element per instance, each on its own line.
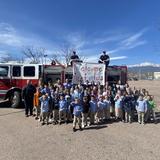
<point x="15" y="99"/>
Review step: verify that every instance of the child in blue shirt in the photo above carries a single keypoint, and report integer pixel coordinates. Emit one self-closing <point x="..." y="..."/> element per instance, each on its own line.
<point x="68" y="111"/>
<point x="100" y="107"/>
<point x="62" y="109"/>
<point x="141" y="108"/>
<point x="44" y="108"/>
<point x="106" y="110"/>
<point x="93" y="109"/>
<point x="46" y="90"/>
<point x="77" y="111"/>
<point x="118" y="107"/>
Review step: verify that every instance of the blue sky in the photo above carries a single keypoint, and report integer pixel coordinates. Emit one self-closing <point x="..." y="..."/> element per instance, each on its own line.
<point x="129" y="30"/>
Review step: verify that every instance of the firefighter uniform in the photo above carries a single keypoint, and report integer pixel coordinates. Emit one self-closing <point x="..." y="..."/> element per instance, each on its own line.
<point x="28" y="96"/>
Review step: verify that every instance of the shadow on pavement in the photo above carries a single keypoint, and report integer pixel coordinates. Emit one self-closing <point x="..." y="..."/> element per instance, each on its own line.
<point x="95" y="127"/>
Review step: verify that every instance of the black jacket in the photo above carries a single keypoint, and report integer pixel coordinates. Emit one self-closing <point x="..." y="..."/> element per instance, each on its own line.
<point x="28" y="92"/>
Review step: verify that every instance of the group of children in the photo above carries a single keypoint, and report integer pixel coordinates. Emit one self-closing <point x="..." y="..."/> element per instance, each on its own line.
<point x="91" y="104"/>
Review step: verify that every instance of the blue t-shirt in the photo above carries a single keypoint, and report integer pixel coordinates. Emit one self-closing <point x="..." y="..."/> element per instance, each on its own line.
<point x="107" y="104"/>
<point x="77" y="109"/>
<point x="141" y="106"/>
<point x="62" y="105"/>
<point x="93" y="106"/>
<point x="46" y="90"/>
<point x="67" y="85"/>
<point x="118" y="103"/>
<point x="44" y="104"/>
<point x="100" y="105"/>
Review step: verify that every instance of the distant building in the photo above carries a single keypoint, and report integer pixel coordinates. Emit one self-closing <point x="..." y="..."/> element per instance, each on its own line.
<point x="157" y="75"/>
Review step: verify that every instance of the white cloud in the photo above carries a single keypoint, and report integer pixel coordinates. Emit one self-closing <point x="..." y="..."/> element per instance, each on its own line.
<point x="114" y="37"/>
<point x="9" y="36"/>
<point x="75" y="40"/>
<point x="134" y="40"/>
<point x="94" y="59"/>
<point x="118" y="58"/>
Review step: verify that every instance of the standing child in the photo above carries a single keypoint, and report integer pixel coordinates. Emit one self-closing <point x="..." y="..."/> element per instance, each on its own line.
<point x="68" y="112"/>
<point x="77" y="111"/>
<point x="86" y="106"/>
<point x="62" y="109"/>
<point x="151" y="108"/>
<point x="100" y="107"/>
<point x="107" y="105"/>
<point x="36" y="103"/>
<point x="141" y="109"/>
<point x="127" y="105"/>
<point x="44" y="108"/>
<point x="93" y="109"/>
<point x="118" y="107"/>
<point x="55" y="108"/>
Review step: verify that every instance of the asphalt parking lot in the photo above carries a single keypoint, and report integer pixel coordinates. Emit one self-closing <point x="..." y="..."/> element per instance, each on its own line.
<point x="24" y="138"/>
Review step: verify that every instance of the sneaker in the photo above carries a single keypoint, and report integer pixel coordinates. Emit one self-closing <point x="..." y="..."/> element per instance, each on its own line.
<point x="36" y="118"/>
<point x="74" y="130"/>
<point x="27" y="115"/>
<point x="42" y="123"/>
<point x="80" y="128"/>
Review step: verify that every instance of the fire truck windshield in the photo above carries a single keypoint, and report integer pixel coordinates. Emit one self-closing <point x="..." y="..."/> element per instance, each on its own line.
<point x="4" y="71"/>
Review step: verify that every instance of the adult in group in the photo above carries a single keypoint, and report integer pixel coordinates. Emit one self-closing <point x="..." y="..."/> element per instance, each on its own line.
<point x="74" y="58"/>
<point x="67" y="84"/>
<point x="104" y="58"/>
<point x="28" y="95"/>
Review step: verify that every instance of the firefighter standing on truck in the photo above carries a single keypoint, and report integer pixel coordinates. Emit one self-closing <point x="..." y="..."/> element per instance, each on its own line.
<point x="28" y="95"/>
<point x="104" y="58"/>
<point x="74" y="58"/>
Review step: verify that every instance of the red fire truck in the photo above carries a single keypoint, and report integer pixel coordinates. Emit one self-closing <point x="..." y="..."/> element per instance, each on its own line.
<point x="13" y="77"/>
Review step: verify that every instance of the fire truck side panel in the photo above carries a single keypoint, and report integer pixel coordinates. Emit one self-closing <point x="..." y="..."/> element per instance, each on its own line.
<point x="52" y="73"/>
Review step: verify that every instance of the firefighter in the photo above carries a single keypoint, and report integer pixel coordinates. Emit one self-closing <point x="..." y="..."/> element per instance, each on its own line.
<point x="104" y="58"/>
<point x="28" y="96"/>
<point x="74" y="58"/>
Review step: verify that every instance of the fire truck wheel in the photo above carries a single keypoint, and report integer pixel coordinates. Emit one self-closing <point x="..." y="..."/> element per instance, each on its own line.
<point x="15" y="99"/>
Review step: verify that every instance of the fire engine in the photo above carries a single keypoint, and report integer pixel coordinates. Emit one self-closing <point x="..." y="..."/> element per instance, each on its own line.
<point x="13" y="77"/>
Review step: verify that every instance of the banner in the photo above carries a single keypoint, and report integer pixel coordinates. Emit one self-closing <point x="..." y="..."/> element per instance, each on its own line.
<point x="91" y="72"/>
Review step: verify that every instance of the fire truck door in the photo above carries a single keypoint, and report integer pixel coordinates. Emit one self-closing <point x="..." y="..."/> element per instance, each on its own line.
<point x="16" y="73"/>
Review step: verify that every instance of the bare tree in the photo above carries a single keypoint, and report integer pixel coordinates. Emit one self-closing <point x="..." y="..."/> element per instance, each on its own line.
<point x="35" y="55"/>
<point x="66" y="53"/>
